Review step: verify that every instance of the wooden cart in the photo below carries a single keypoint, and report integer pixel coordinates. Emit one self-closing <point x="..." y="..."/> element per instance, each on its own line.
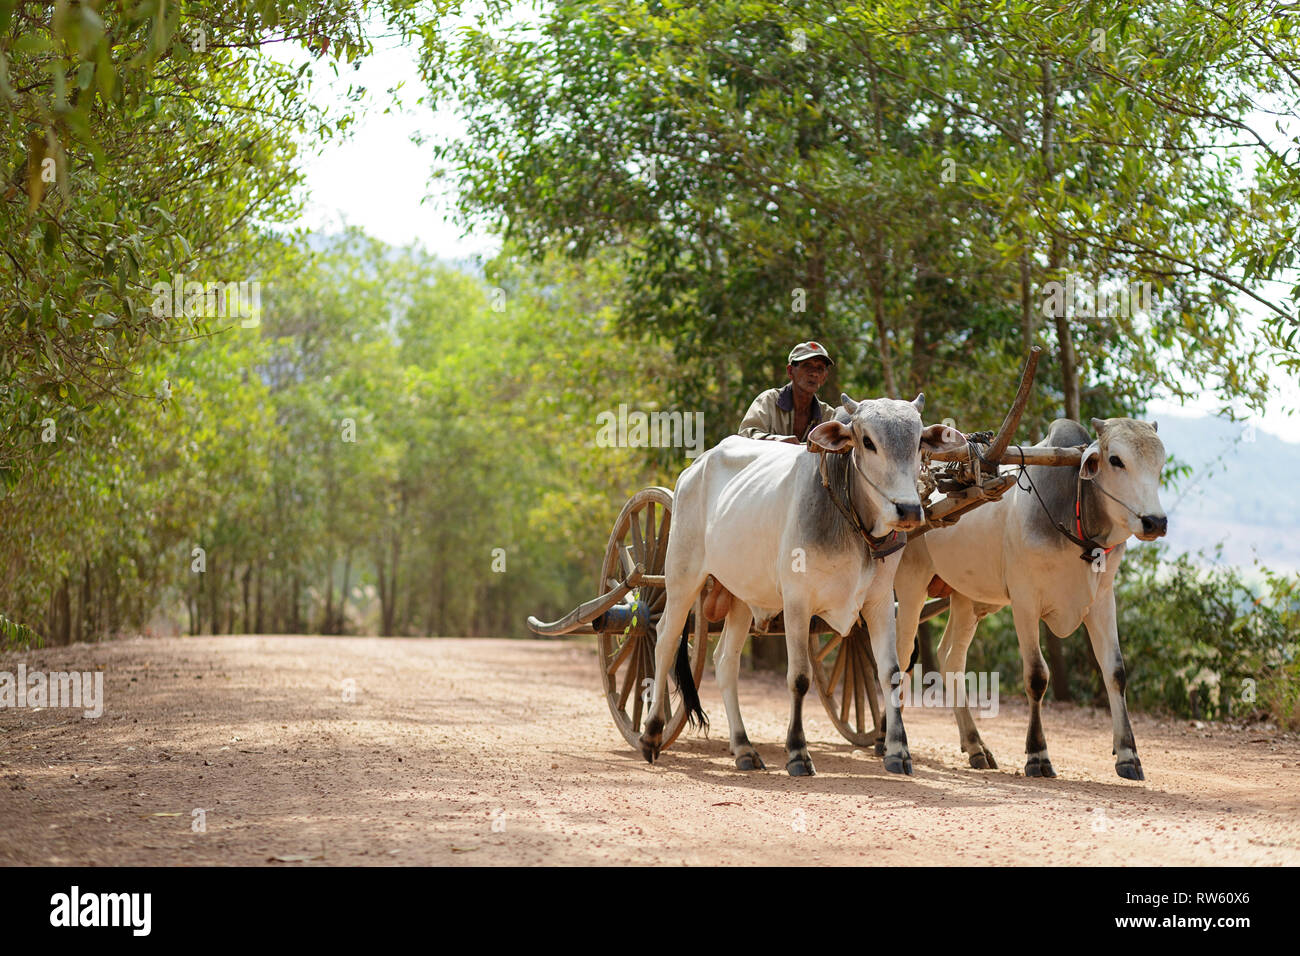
<point x="632" y="593"/>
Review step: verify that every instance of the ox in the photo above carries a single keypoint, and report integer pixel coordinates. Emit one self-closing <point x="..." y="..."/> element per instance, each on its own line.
<point x="1049" y="548"/>
<point x="757" y="516"/>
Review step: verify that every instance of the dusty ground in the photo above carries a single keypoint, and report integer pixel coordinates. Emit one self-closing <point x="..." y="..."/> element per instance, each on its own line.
<point x="503" y="752"/>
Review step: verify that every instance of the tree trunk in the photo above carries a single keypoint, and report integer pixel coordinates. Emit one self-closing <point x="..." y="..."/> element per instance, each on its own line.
<point x="434" y="598"/>
<point x="248" y="579"/>
<point x="83" y="617"/>
<point x="260" y="621"/>
<point x="878" y="315"/>
<point x="1056" y="255"/>
<point x="65" y="612"/>
<point x="214" y="600"/>
<point x="1027" y="323"/>
<point x="390" y="606"/>
<point x="1069" y="371"/>
<point x="327" y="626"/>
<point x="383" y="595"/>
<point x="343" y="593"/>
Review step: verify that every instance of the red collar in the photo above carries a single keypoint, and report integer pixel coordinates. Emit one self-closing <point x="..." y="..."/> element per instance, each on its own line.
<point x="1078" y="526"/>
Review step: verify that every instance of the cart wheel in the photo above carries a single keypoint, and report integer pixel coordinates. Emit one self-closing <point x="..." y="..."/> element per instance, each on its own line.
<point x="627" y="660"/>
<point x="846" y="682"/>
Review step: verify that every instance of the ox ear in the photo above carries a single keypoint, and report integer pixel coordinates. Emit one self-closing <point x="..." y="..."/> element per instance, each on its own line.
<point x="919" y="402"/>
<point x="834" y="436"/>
<point x="849" y="404"/>
<point x="942" y="438"/>
<point x="1091" y="462"/>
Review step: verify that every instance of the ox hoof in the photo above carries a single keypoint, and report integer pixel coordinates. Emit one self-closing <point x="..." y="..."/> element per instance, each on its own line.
<point x="652" y="738"/>
<point x="800" y="767"/>
<point x="1039" y="767"/>
<point x="750" y="761"/>
<point x="983" y="760"/>
<point x="1130" y="769"/>
<point x="899" y="764"/>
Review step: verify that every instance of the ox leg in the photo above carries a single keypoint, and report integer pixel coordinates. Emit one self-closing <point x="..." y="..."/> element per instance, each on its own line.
<point x="881" y="625"/>
<point x="957" y="636"/>
<point x="910" y="584"/>
<point x="726" y="662"/>
<point x="1104" y="634"/>
<point x="668" y="637"/>
<point x="798" y="679"/>
<point x="1036" y="675"/>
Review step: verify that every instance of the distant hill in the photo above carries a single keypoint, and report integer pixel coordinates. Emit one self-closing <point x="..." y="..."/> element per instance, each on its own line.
<point x="1241" y="492"/>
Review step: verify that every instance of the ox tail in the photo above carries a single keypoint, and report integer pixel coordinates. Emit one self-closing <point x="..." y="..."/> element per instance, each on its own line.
<point x="695" y="716"/>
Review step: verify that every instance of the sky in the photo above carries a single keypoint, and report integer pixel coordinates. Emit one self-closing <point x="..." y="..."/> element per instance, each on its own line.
<point x="410" y="208"/>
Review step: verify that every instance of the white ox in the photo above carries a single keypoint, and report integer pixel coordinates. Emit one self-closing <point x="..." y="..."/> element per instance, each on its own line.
<point x="756" y="516"/>
<point x="1013" y="552"/>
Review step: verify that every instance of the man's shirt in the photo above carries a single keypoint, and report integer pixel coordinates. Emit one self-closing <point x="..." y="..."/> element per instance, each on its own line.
<point x="771" y="415"/>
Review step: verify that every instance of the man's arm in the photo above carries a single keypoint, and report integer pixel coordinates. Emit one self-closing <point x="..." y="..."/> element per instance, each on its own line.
<point x="761" y="419"/>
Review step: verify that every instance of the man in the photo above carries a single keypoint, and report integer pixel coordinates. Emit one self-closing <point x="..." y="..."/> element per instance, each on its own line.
<point x="782" y="414"/>
<point x="788" y="414"/>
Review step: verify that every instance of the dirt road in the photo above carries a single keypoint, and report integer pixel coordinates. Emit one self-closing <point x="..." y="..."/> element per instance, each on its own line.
<point x="481" y="752"/>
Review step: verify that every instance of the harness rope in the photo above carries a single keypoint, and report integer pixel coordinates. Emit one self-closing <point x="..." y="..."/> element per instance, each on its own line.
<point x="1089" y="545"/>
<point x="877" y="548"/>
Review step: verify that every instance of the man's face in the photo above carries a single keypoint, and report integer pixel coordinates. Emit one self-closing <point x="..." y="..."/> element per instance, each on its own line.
<point x="808" y="375"/>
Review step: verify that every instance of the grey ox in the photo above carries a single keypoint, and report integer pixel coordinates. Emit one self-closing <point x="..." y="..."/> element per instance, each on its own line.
<point x="756" y="515"/>
<point x="1051" y="554"/>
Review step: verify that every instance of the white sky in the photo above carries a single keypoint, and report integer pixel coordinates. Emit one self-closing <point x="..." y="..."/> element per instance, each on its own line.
<point x="379" y="180"/>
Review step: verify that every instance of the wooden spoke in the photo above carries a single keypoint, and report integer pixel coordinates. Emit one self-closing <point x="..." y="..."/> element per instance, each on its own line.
<point x="661" y="544"/>
<point x="638" y="540"/>
<point x="620" y="657"/>
<point x="859" y="686"/>
<point x="847" y="694"/>
<point x="835" y="673"/>
<point x="649" y="540"/>
<point x="833" y="643"/>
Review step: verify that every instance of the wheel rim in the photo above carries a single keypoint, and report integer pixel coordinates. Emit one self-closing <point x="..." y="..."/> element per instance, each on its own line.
<point x="640" y="535"/>
<point x="845" y="677"/>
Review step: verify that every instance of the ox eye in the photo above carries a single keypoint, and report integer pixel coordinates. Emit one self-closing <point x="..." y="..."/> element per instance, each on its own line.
<point x="866" y="443"/>
<point x="1114" y="460"/>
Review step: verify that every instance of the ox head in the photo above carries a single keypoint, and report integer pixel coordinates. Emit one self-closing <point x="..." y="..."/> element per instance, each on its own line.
<point x="1125" y="462"/>
<point x="884" y="438"/>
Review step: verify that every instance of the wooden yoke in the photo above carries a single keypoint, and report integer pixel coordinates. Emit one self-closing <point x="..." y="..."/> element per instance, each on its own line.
<point x="948" y="510"/>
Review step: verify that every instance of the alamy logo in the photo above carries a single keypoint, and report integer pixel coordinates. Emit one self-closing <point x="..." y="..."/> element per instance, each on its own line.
<point x="103" y="909"/>
<point x="208" y="300"/>
<point x="56" y="689"/>
<point x="636" y="429"/>
<point x="1080" y="298"/>
<point x="978" y="690"/>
